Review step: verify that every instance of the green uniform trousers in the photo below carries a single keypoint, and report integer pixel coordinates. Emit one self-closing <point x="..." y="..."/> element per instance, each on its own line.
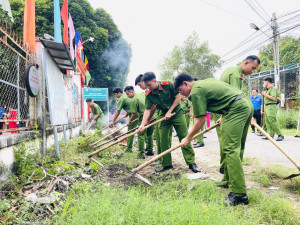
<point x="99" y="122"/>
<point x="157" y="138"/>
<point x="145" y="137"/>
<point x="219" y="133"/>
<point x="200" y="138"/>
<point x="187" y="119"/>
<point x="130" y="139"/>
<point x="264" y="122"/>
<point x="179" y="123"/>
<point x="234" y="129"/>
<point x="271" y="121"/>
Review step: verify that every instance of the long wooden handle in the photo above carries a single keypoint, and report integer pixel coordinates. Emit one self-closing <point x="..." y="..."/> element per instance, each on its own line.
<point x="127" y="136"/>
<point x="135" y="170"/>
<point x="114" y="123"/>
<point x="89" y="126"/>
<point x="280" y="148"/>
<point x="121" y="135"/>
<point x="112" y="133"/>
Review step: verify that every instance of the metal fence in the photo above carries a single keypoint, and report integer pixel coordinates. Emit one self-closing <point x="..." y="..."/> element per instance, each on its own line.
<point x="289" y="82"/>
<point x="14" y="99"/>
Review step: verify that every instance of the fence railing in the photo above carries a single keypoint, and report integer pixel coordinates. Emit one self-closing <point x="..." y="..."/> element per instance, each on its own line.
<point x="289" y="81"/>
<point x="15" y="102"/>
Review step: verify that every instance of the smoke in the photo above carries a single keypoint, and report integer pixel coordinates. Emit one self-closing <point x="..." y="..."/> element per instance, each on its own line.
<point x="117" y="59"/>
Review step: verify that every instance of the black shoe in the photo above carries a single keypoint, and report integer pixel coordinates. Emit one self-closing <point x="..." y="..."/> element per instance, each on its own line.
<point x="204" y="137"/>
<point x="265" y="138"/>
<point x="175" y="135"/>
<point x="234" y="199"/>
<point x="223" y="184"/>
<point x="253" y="131"/>
<point x="259" y="134"/>
<point x="280" y="138"/>
<point x="221" y="170"/>
<point x="164" y="168"/>
<point x="194" y="168"/>
<point x="149" y="153"/>
<point x="198" y="145"/>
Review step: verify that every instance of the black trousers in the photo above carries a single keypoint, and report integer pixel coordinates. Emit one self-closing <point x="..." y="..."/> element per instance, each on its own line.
<point x="257" y="116"/>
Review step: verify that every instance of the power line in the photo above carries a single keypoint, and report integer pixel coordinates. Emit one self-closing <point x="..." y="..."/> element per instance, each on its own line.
<point x="288" y="13"/>
<point x="255" y="10"/>
<point x="249" y="38"/>
<point x="263" y="9"/>
<point x="245" y="51"/>
<point x="225" y="10"/>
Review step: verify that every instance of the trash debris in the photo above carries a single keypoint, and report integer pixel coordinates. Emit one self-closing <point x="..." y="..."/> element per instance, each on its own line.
<point x="85" y="176"/>
<point x="194" y="176"/>
<point x="274" y="188"/>
<point x="45" y="200"/>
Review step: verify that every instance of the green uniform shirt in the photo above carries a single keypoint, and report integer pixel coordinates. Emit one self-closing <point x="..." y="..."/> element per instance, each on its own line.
<point x="233" y="76"/>
<point x="186" y="105"/>
<point x="138" y="104"/>
<point x="211" y="95"/>
<point x="124" y="103"/>
<point x="96" y="109"/>
<point x="163" y="97"/>
<point x="272" y="92"/>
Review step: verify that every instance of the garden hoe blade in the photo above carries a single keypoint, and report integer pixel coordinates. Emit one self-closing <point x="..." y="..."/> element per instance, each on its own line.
<point x="138" y="176"/>
<point x="291" y="176"/>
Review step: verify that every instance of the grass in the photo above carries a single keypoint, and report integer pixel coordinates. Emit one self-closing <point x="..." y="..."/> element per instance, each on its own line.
<point x="274" y="175"/>
<point x="172" y="202"/>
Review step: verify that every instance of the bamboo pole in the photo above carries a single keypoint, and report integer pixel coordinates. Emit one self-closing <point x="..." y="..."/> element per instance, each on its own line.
<point x="127" y="136"/>
<point x="135" y="170"/>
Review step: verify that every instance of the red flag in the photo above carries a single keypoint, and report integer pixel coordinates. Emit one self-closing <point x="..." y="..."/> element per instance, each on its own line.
<point x="29" y="24"/>
<point x="64" y="17"/>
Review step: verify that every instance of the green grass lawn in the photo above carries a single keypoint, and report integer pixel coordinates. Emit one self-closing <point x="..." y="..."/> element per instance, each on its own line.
<point x="175" y="201"/>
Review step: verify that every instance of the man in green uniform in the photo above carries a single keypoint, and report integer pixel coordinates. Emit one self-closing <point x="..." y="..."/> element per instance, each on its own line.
<point x="234" y="77"/>
<point x="166" y="98"/>
<point x="96" y="110"/>
<point x="200" y="139"/>
<point x="124" y="103"/>
<point x="139" y="81"/>
<point x="218" y="97"/>
<point x="137" y="111"/>
<point x="141" y="84"/>
<point x="271" y="109"/>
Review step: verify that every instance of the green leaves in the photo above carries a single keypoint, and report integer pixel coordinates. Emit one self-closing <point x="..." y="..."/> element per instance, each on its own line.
<point x="192" y="57"/>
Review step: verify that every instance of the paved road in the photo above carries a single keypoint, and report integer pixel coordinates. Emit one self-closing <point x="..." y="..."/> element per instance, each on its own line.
<point x="263" y="149"/>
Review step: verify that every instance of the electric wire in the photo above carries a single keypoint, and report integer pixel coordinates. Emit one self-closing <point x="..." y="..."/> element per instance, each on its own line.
<point x="248" y="39"/>
<point x="263" y="9"/>
<point x="225" y="10"/>
<point x="256" y="11"/>
<point x="245" y="51"/>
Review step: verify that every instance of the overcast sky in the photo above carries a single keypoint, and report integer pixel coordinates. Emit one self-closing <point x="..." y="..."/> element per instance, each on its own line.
<point x="153" y="28"/>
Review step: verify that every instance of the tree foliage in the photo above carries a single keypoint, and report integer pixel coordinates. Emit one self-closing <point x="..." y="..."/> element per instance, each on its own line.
<point x="192" y="58"/>
<point x="109" y="55"/>
<point x="289" y="52"/>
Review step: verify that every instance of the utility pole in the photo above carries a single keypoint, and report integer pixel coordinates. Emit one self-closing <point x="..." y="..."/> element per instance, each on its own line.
<point x="274" y="26"/>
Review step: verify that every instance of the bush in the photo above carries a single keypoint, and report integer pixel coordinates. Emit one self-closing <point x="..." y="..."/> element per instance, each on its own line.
<point x="288" y="118"/>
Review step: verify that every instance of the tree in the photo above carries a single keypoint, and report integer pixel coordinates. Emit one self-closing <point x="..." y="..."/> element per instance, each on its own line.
<point x="289" y="52"/>
<point x="109" y="55"/>
<point x="192" y="58"/>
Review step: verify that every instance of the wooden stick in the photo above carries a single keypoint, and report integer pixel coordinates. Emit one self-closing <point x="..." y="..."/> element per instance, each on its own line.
<point x="280" y="148"/>
<point x="135" y="170"/>
<point x="113" y="133"/>
<point x="115" y="138"/>
<point x="127" y="136"/>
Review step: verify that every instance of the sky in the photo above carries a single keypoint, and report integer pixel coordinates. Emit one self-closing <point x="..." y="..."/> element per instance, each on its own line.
<point x="153" y="28"/>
